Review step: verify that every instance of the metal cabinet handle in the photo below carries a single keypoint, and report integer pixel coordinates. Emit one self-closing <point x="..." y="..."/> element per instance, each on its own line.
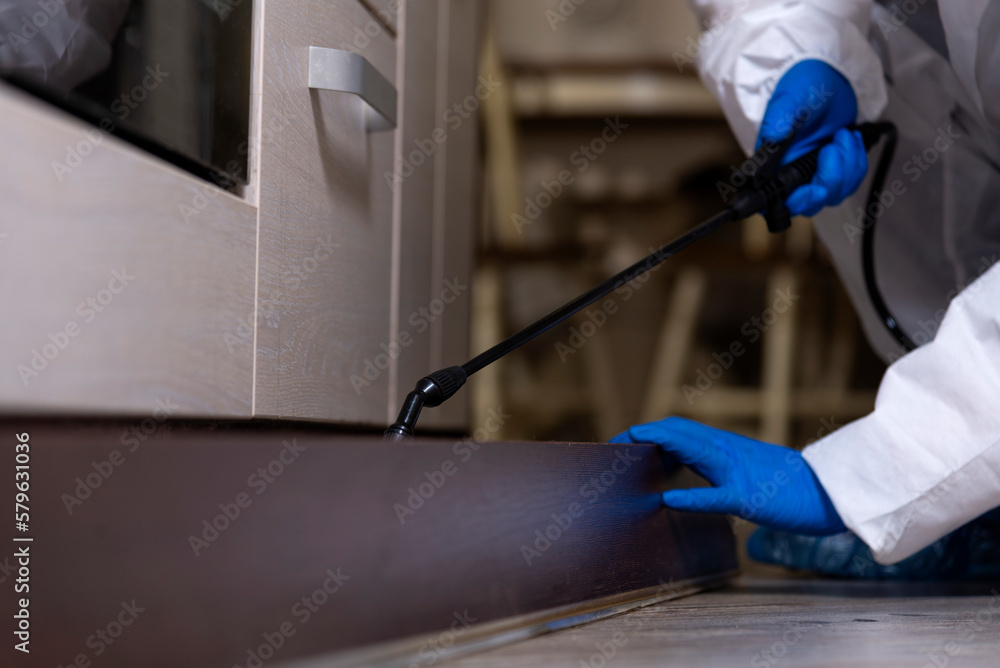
<point x="348" y="72"/>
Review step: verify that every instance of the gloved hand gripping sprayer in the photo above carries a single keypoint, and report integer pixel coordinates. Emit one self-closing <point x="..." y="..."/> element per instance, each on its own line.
<point x="769" y="188"/>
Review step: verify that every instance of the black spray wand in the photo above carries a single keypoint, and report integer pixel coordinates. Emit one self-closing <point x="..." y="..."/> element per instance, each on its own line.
<point x="766" y="194"/>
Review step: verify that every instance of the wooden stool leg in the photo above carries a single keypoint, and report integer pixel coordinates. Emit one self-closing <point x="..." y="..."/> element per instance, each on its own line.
<point x="779" y="355"/>
<point x="674" y="345"/>
<point x="487" y="329"/>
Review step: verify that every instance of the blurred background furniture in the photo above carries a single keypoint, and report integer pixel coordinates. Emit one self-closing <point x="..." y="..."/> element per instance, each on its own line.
<point x="668" y="348"/>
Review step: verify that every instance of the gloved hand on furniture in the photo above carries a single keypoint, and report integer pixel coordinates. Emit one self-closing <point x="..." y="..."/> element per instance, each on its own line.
<point x="762" y="483"/>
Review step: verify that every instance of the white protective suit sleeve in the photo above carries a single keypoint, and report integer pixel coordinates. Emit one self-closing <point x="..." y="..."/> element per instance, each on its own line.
<point x="927" y="459"/>
<point x="748" y="45"/>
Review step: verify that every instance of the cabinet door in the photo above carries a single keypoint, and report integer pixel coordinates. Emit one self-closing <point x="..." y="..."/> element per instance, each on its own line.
<point x="456" y="220"/>
<point x="435" y="185"/>
<point x="325" y="245"/>
<point x="114" y="300"/>
<point x="289" y="303"/>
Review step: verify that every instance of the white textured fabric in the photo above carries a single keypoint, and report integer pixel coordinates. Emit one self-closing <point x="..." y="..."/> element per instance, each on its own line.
<point x="60" y="42"/>
<point x="749" y="44"/>
<point x="961" y="22"/>
<point x="927" y="460"/>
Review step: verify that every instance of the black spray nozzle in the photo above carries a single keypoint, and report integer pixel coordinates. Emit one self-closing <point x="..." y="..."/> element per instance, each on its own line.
<point x="432" y="390"/>
<point x="771" y="186"/>
<point x="769" y="156"/>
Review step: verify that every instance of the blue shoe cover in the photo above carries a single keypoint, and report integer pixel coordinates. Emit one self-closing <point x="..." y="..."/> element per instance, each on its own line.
<point x="971" y="552"/>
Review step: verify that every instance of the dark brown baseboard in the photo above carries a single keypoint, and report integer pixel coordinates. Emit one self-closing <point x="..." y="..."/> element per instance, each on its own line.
<point x="395" y="549"/>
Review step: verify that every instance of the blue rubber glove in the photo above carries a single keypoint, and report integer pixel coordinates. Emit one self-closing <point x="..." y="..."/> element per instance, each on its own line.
<point x="813" y="102"/>
<point x="767" y="484"/>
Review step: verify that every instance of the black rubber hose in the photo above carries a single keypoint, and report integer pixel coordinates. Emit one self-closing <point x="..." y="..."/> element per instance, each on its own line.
<point x="872" y="212"/>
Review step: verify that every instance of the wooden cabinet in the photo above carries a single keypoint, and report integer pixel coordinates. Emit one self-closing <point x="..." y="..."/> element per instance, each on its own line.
<point x="326" y="219"/>
<point x="111" y="299"/>
<point x="290" y="299"/>
<point x="435" y="184"/>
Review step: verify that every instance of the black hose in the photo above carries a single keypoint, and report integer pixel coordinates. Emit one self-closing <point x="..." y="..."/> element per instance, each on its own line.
<point x="872" y="212"/>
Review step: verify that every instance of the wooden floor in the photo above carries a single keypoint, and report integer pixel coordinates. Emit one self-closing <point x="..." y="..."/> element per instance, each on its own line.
<point x="761" y="622"/>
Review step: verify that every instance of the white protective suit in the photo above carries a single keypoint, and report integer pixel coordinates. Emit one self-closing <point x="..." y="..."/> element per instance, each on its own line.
<point x="61" y="43"/>
<point x="927" y="460"/>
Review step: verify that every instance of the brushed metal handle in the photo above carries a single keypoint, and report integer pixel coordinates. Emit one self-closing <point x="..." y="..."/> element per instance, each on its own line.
<point x="348" y="72"/>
